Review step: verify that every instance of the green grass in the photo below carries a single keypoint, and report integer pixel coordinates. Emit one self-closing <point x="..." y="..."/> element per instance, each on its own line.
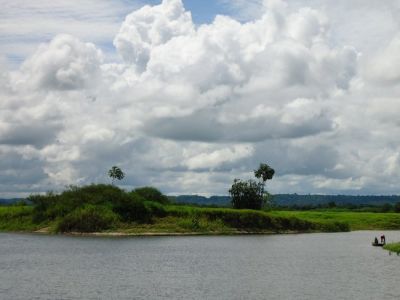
<point x="253" y="220"/>
<point x="18" y="218"/>
<point x="393" y="247"/>
<point x="201" y="220"/>
<point x="356" y="220"/>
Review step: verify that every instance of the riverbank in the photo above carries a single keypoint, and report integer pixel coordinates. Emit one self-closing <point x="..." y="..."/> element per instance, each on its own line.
<point x="177" y="220"/>
<point x="188" y="220"/>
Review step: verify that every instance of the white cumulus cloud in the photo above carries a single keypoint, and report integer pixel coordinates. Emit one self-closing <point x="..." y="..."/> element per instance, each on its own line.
<point x="190" y="107"/>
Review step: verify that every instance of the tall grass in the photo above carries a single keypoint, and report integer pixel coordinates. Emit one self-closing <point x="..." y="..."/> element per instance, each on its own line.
<point x="18" y="218"/>
<point x="252" y="220"/>
<point x="393" y="247"/>
<point x="89" y="218"/>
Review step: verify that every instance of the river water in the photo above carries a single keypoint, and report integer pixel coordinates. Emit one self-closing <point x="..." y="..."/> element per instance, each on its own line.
<point x="303" y="266"/>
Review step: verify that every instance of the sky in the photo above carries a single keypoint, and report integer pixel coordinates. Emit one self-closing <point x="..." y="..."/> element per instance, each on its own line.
<point x="189" y="95"/>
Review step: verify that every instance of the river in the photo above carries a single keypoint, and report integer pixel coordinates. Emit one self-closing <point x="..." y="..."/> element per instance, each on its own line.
<point x="301" y="266"/>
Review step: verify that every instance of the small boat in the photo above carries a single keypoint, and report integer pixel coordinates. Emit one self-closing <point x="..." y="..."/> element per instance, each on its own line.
<point x="378" y="244"/>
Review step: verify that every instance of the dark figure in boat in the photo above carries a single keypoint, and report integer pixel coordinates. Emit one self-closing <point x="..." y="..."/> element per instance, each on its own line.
<point x="382" y="243"/>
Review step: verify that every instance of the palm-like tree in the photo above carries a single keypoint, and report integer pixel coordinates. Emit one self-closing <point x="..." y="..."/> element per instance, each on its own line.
<point x="115" y="173"/>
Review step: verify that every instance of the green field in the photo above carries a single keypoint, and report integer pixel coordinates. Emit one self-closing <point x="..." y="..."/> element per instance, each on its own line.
<point x="356" y="220"/>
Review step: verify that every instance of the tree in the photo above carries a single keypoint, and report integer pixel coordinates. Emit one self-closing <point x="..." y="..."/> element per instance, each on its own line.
<point x="115" y="173"/>
<point x="251" y="194"/>
<point x="246" y="194"/>
<point x="264" y="172"/>
<point x="151" y="194"/>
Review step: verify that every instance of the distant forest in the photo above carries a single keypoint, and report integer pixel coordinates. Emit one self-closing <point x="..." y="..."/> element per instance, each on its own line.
<point x="293" y="200"/>
<point x="9" y="201"/>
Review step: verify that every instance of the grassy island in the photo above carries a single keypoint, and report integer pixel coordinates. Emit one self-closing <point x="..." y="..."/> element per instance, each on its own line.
<point x="110" y="210"/>
<point x="107" y="209"/>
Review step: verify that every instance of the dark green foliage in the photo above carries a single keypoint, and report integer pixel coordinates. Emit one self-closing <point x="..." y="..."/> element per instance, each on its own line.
<point x="102" y="207"/>
<point x="17" y="218"/>
<point x="248" y="220"/>
<point x="247" y="194"/>
<point x="264" y="172"/>
<point x="46" y="207"/>
<point x="332" y="204"/>
<point x="151" y="194"/>
<point x="250" y="194"/>
<point x="156" y="209"/>
<point x="386" y="207"/>
<point x="51" y="206"/>
<point x="89" y="218"/>
<point x="132" y="209"/>
<point x="115" y="173"/>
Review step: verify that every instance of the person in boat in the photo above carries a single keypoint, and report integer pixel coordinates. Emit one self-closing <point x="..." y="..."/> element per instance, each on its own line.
<point x="376" y="241"/>
<point x="383" y="239"/>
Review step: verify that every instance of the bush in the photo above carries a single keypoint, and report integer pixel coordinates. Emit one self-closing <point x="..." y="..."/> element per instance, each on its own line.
<point x="52" y="206"/>
<point x="96" y="194"/>
<point x="132" y="209"/>
<point x="46" y="207"/>
<point x="128" y="205"/>
<point x="247" y="194"/>
<point x="89" y="218"/>
<point x="151" y="194"/>
<point x="156" y="209"/>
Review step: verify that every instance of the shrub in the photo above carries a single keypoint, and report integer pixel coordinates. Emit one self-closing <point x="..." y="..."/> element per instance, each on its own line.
<point x="151" y="194"/>
<point x="191" y="223"/>
<point x="89" y="218"/>
<point x="51" y="206"/>
<point x="96" y="194"/>
<point x="132" y="209"/>
<point x="45" y="207"/>
<point x="247" y="194"/>
<point x="156" y="209"/>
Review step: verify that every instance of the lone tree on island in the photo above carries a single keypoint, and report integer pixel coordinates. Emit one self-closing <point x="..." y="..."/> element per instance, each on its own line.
<point x="251" y="194"/>
<point x="264" y="173"/>
<point x="115" y="173"/>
